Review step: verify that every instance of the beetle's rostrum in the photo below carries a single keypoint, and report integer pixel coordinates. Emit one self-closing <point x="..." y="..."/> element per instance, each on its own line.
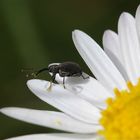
<point x="65" y="69"/>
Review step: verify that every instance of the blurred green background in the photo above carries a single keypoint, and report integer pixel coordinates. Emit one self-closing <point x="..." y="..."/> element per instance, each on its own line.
<point x="34" y="33"/>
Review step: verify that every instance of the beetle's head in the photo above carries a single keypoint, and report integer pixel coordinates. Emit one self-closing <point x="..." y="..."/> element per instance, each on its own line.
<point x="53" y="68"/>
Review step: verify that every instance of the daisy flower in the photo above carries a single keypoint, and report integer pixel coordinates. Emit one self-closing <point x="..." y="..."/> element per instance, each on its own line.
<point x="107" y="107"/>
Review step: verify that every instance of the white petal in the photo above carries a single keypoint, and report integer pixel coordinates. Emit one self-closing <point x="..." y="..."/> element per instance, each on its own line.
<point x="112" y="48"/>
<point x="138" y="21"/>
<point x="129" y="46"/>
<point x="56" y="120"/>
<point x="65" y="101"/>
<point x="90" y="89"/>
<point x="99" y="63"/>
<point x="55" y="136"/>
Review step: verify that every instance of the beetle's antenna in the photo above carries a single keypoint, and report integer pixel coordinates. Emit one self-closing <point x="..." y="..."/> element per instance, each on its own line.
<point x="27" y="70"/>
<point x="35" y="73"/>
<point x="41" y="70"/>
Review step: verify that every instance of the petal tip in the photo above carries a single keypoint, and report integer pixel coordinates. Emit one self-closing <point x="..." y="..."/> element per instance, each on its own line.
<point x="36" y="85"/>
<point x="6" y="110"/>
<point x="33" y="82"/>
<point x="76" y="31"/>
<point x="29" y="82"/>
<point x="125" y="16"/>
<point x="76" y="35"/>
<point x="138" y="11"/>
<point x="107" y="33"/>
<point x="2" y="110"/>
<point x="125" y="19"/>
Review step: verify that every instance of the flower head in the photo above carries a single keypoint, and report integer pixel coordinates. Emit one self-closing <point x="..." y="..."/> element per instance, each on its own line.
<point x="121" y="118"/>
<point x="83" y="103"/>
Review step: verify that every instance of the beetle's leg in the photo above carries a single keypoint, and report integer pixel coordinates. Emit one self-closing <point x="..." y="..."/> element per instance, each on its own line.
<point x="84" y="77"/>
<point x="64" y="82"/>
<point x="52" y="80"/>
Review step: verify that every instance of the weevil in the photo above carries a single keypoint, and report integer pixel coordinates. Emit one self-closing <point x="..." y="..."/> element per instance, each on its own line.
<point x="65" y="69"/>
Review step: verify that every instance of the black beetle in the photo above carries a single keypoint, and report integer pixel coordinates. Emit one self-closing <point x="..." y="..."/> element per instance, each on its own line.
<point x="65" y="69"/>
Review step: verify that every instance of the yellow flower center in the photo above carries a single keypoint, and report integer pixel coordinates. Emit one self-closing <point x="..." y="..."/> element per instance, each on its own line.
<point x="121" y="118"/>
